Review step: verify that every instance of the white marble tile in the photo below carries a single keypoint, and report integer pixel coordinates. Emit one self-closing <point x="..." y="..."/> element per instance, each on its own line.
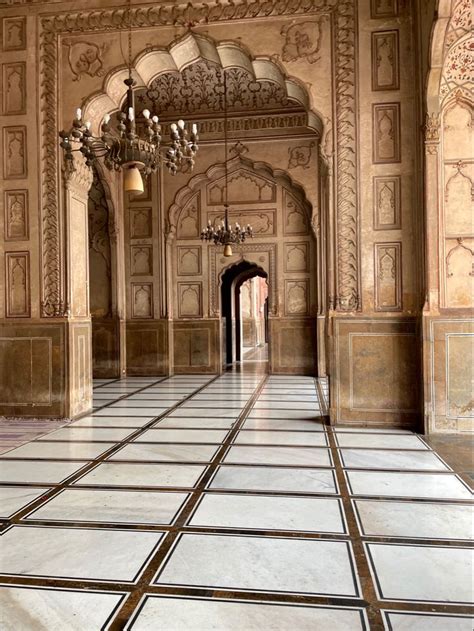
<point x="98" y="404"/>
<point x="111" y="421"/>
<point x="220" y="397"/>
<point x="260" y="512"/>
<point x="412" y="485"/>
<point x="203" y="412"/>
<point x="277" y="564"/>
<point x="209" y="407"/>
<point x="37" y="471"/>
<point x="266" y="404"/>
<point x="77" y="553"/>
<point x="151" y="475"/>
<point x="194" y="423"/>
<point x="148" y="413"/>
<point x="14" y="498"/>
<point x="315" y="439"/>
<point x="291" y="456"/>
<point x="98" y="395"/>
<point x="274" y="479"/>
<point x="415" y="519"/>
<point x="151" y="397"/>
<point x="289" y="389"/>
<point x="127" y="403"/>
<point x="422" y="573"/>
<point x="371" y="430"/>
<point x="280" y="423"/>
<point x="286" y="414"/>
<point x="288" y="398"/>
<point x="109" y="506"/>
<point x="380" y="441"/>
<point x="35" y="609"/>
<point x="167" y="453"/>
<point x="418" y="621"/>
<point x="158" y="435"/>
<point x="59" y="451"/>
<point x="392" y="459"/>
<point x="88" y="434"/>
<point x="195" y="614"/>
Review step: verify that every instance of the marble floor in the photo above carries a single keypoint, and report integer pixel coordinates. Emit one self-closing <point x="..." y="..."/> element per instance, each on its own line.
<point x="226" y="503"/>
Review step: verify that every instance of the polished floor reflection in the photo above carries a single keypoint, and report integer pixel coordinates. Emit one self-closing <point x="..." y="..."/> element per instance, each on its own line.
<point x="200" y="502"/>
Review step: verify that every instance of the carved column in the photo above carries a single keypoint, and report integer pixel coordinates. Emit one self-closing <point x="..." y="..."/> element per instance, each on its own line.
<point x="432" y="206"/>
<point x="78" y="351"/>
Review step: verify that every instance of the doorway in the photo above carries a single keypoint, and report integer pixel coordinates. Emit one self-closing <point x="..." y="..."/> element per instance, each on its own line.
<point x="244" y="312"/>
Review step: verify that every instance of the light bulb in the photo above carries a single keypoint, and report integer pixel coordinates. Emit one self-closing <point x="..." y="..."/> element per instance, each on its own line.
<point x="106" y="119"/>
<point x="173" y="127"/>
<point x="78" y="113"/>
<point x="155" y="119"/>
<point x="146" y="113"/>
<point x="181" y="123"/>
<point x="194" y="128"/>
<point x="131" y="114"/>
<point x="88" y="124"/>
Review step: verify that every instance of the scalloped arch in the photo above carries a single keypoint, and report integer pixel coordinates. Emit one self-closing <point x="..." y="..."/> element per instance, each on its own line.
<point x="148" y="65"/>
<point x="217" y="171"/>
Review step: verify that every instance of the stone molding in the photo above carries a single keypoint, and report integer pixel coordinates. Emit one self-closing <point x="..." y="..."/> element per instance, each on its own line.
<point x="347" y="220"/>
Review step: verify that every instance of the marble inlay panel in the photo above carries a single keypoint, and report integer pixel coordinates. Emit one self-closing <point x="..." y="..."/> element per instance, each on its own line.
<point x="158" y="435"/>
<point x="148" y="413"/>
<point x="173" y="613"/>
<point x="380" y="441"/>
<point x="430" y="574"/>
<point x="281" y="438"/>
<point x="61" y="451"/>
<point x="259" y="512"/>
<point x="194" y="423"/>
<point x="37" y="471"/>
<point x="392" y="459"/>
<point x="415" y="519"/>
<point x="169" y="453"/>
<point x="275" y="479"/>
<point x="117" y="507"/>
<point x="91" y="434"/>
<point x="41" y="608"/>
<point x="286" y="414"/>
<point x="414" y="621"/>
<point x="14" y="498"/>
<point x="285" y="405"/>
<point x="111" y="421"/>
<point x="280" y="423"/>
<point x="152" y="475"/>
<point x="294" y="456"/>
<point x="203" y="412"/>
<point x="422" y="485"/>
<point x="278" y="565"/>
<point x="76" y="553"/>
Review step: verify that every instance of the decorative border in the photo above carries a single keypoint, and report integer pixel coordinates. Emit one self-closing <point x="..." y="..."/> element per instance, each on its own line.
<point x="52" y="26"/>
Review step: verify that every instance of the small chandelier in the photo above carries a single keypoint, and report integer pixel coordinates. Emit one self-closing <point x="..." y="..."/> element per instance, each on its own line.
<point x="125" y="149"/>
<point x="225" y="234"/>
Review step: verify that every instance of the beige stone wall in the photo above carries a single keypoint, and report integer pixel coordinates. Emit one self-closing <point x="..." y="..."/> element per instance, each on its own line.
<point x="353" y="73"/>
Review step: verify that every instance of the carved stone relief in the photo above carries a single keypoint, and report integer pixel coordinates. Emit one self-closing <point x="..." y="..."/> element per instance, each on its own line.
<point x="386" y="133"/>
<point x="458" y="131"/>
<point x="300" y="156"/>
<point x="14" y="151"/>
<point x="141" y="224"/>
<point x="190" y="300"/>
<point x="141" y="260"/>
<point x="243" y="188"/>
<point x="16" y="215"/>
<point x="383" y="8"/>
<point x="297" y="257"/>
<point x="459" y="198"/>
<point x="142" y="300"/>
<point x="189" y="261"/>
<point x="17" y="268"/>
<point x="14" y="33"/>
<point x="388" y="281"/>
<point x="189" y="222"/>
<point x="302" y="41"/>
<point x="14" y="88"/>
<point x="387" y="209"/>
<point x="385" y="61"/>
<point x="457" y="69"/>
<point x="459" y="272"/>
<point x="295" y="217"/>
<point x="296" y="297"/>
<point x="85" y="58"/>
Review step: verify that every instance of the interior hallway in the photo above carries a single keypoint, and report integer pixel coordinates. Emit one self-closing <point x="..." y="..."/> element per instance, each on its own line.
<point x="199" y="502"/>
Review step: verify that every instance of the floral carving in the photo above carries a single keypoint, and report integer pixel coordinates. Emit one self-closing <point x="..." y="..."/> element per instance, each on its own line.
<point x="302" y="41"/>
<point x="300" y="156"/>
<point x="85" y="58"/>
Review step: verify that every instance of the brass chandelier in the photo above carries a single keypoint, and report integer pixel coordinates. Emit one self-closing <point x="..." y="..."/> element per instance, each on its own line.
<point x="125" y="148"/>
<point x="225" y="234"/>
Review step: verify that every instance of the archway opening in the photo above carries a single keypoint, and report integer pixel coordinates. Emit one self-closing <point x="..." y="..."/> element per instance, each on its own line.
<point x="244" y="313"/>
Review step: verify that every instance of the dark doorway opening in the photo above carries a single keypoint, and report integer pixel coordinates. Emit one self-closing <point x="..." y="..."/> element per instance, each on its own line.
<point x="244" y="310"/>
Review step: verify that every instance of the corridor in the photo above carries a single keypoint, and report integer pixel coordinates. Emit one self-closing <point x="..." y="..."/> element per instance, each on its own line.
<point x="198" y="503"/>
